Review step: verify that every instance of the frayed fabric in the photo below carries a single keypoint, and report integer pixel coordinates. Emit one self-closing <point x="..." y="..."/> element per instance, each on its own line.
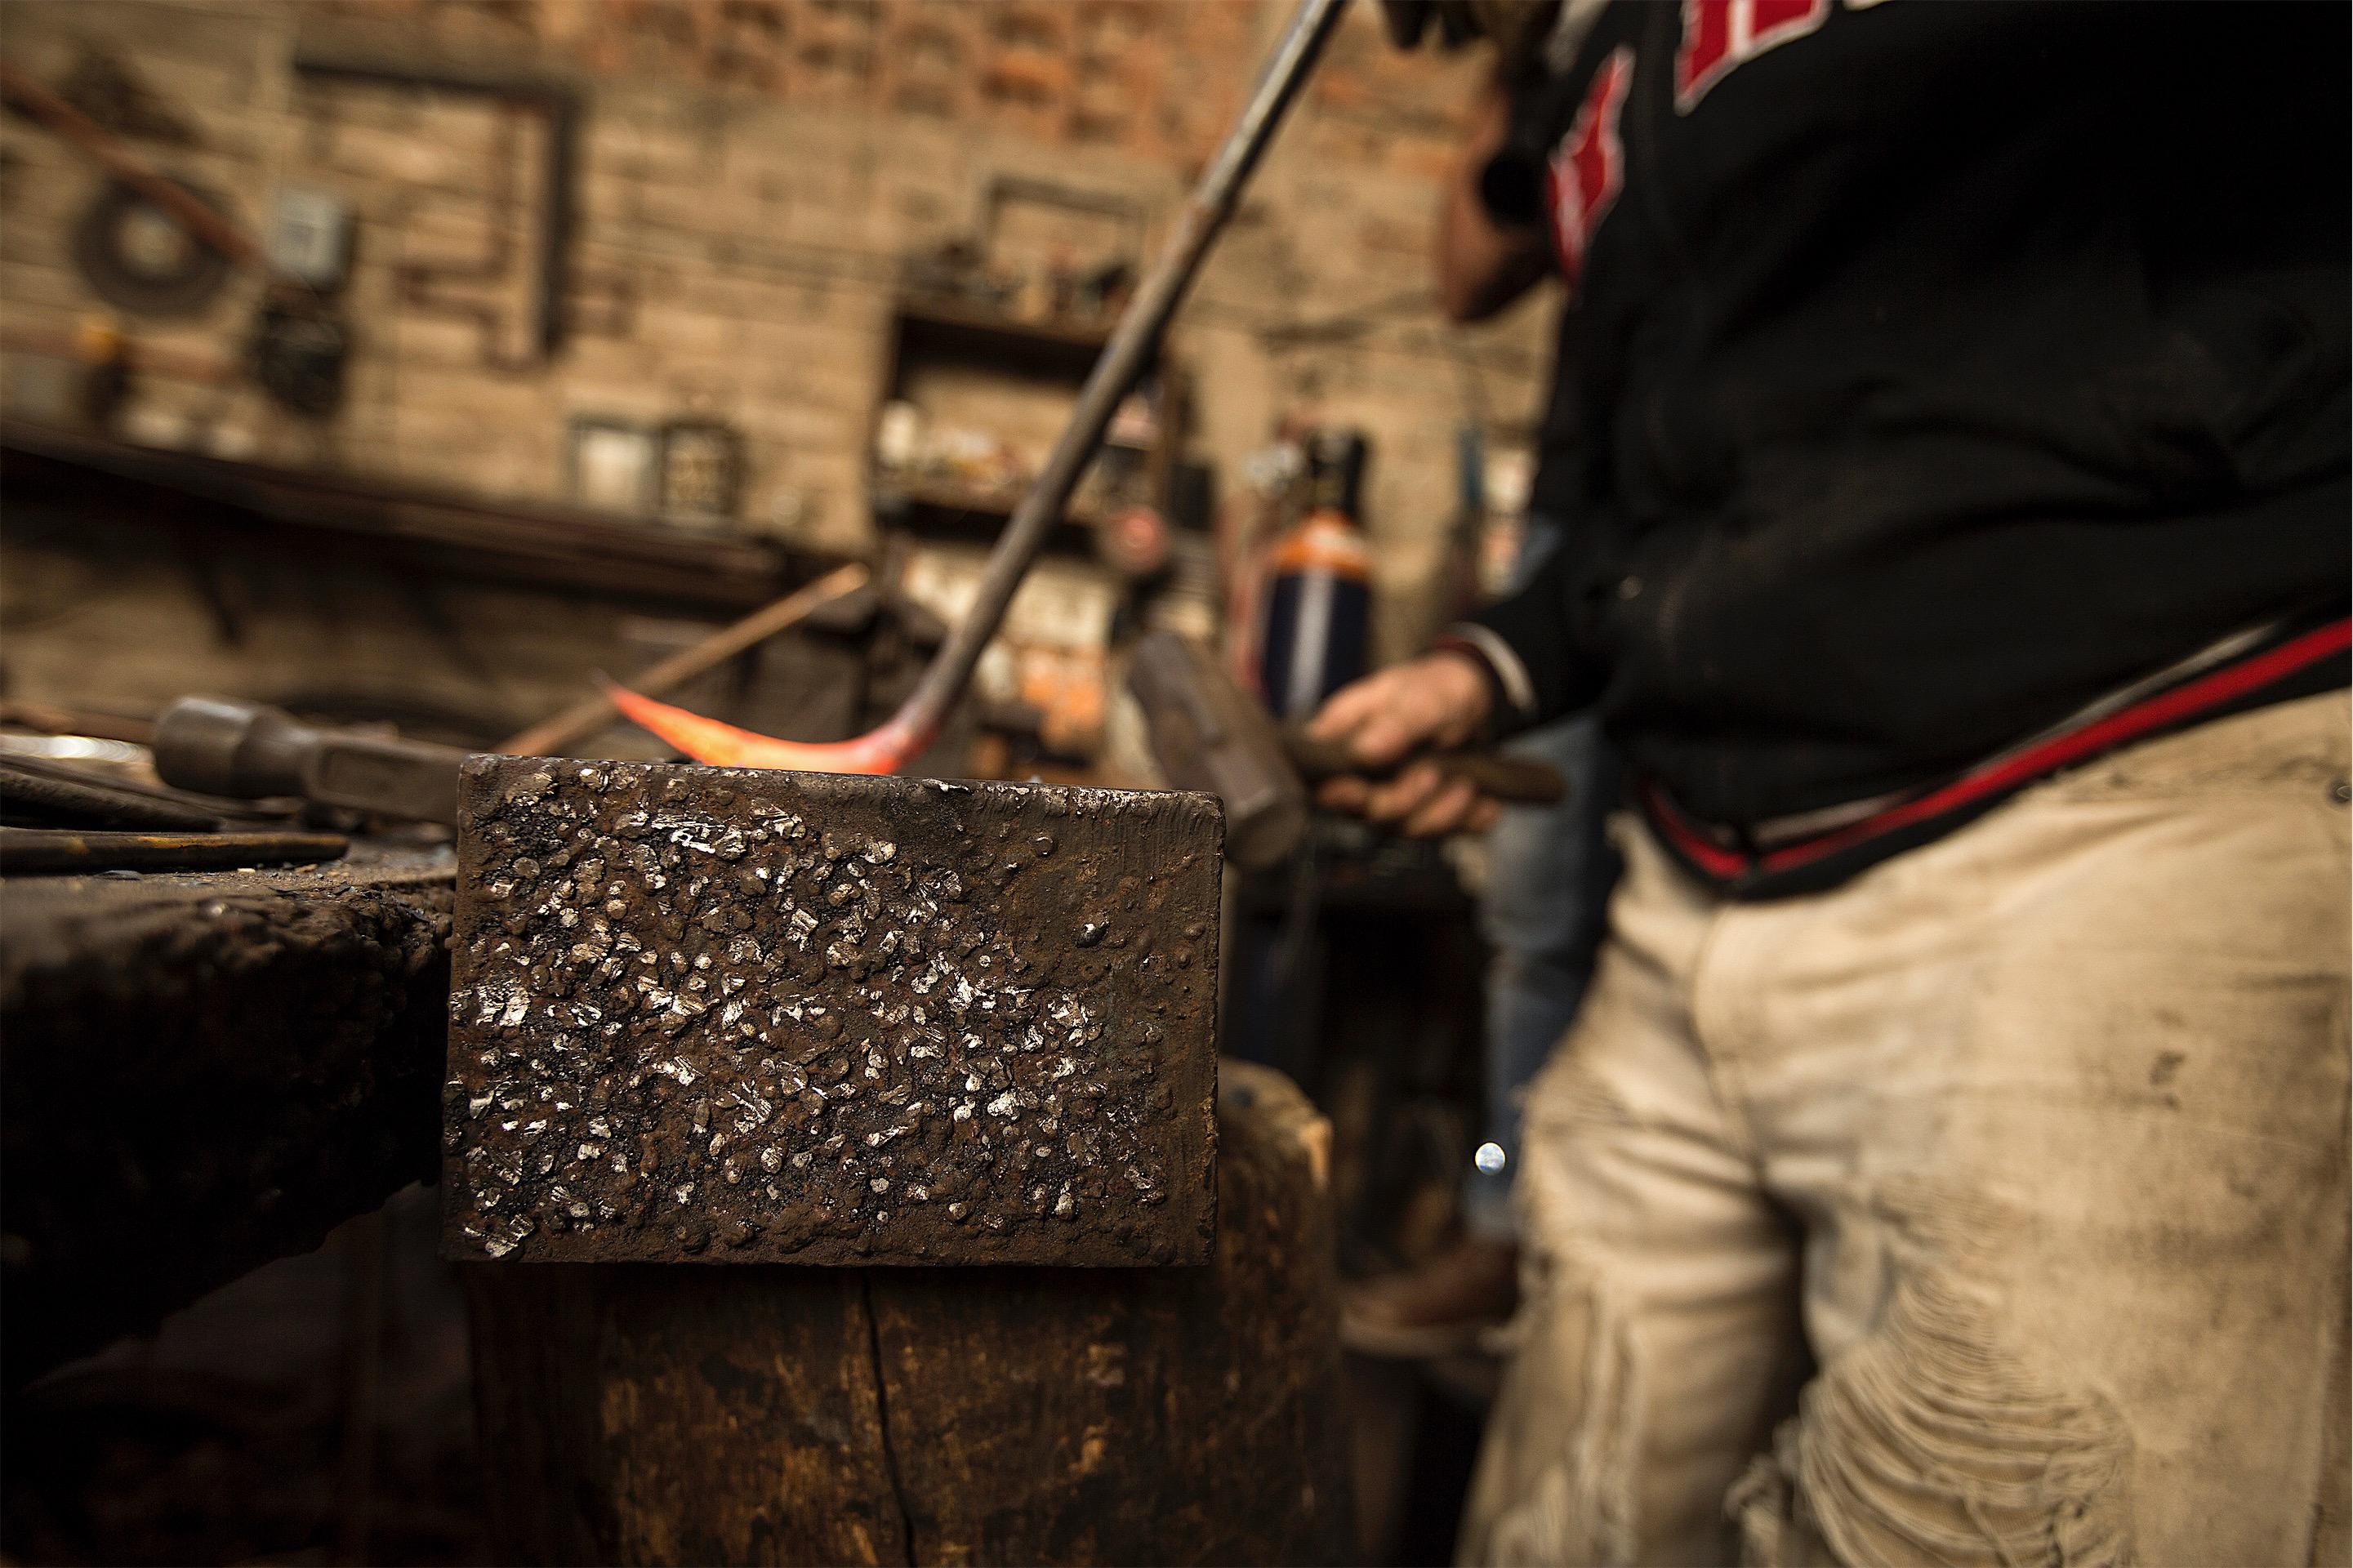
<point x="1581" y="1508"/>
<point x="1927" y="1442"/>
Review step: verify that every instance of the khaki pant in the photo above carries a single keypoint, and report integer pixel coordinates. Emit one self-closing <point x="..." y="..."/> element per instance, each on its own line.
<point x="1990" y="1208"/>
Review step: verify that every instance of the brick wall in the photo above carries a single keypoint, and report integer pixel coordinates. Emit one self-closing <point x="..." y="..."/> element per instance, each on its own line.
<point x="752" y="174"/>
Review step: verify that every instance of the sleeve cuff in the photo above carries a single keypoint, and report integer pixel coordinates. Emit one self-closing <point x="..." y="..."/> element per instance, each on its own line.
<point x="1506" y="673"/>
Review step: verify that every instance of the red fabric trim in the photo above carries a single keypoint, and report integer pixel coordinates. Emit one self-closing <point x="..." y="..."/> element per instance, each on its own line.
<point x="2183" y="701"/>
<point x="1712" y="859"/>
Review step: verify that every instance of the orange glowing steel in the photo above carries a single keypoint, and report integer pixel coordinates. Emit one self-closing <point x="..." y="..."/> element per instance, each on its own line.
<point x="882" y="751"/>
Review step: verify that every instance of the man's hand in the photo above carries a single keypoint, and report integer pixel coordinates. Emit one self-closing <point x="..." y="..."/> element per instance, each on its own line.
<point x="1433" y="702"/>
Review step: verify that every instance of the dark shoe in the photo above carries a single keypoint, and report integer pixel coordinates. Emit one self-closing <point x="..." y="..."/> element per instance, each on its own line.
<point x="1439" y="1308"/>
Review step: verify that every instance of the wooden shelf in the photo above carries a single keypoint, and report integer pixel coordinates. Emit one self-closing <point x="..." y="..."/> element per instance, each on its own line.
<point x="946" y="502"/>
<point x="929" y="330"/>
<point x="984" y="328"/>
<point x="400" y="525"/>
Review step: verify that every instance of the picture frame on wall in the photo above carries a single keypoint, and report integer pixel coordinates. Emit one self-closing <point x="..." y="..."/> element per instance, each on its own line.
<point x="614" y="465"/>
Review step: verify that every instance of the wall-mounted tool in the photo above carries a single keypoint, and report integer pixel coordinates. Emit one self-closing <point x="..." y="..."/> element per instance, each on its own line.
<point x="613" y="465"/>
<point x="557" y="107"/>
<point x="311" y="238"/>
<point x="1209" y="734"/>
<point x="299" y="351"/>
<point x="137" y="254"/>
<point x="701" y="472"/>
<point x="156" y="245"/>
<point x="151" y="242"/>
<point x="1125" y="358"/>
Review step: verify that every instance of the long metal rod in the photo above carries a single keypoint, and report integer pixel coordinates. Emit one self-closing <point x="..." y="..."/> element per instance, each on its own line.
<point x="551" y="736"/>
<point x="1125" y="358"/>
<point x="1122" y="361"/>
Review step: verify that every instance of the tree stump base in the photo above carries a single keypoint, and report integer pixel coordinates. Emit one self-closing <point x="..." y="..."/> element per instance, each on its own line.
<point x="771" y="1414"/>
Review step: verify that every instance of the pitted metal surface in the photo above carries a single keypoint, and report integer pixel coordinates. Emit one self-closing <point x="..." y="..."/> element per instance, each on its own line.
<point x="750" y="1016"/>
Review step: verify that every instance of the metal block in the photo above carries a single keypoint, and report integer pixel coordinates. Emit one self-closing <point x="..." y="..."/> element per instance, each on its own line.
<point x="748" y="1016"/>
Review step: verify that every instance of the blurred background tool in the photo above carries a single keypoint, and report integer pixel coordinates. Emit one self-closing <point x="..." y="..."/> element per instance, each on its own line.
<point x="1319" y="597"/>
<point x="1207" y="733"/>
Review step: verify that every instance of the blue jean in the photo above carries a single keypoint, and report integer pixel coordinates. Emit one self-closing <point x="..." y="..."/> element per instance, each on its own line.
<point x="1550" y="872"/>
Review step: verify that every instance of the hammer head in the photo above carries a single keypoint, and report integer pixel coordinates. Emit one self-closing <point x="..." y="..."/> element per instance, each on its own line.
<point x="223" y="746"/>
<point x="728" y="1016"/>
<point x="1207" y="733"/>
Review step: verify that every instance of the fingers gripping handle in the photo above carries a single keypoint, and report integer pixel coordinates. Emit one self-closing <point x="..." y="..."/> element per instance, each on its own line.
<point x="1514" y="780"/>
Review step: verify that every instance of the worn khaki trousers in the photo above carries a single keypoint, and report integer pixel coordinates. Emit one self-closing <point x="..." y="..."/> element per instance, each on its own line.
<point x="1990" y="1208"/>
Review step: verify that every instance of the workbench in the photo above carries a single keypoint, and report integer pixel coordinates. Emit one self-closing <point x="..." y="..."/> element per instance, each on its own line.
<point x="203" y="1072"/>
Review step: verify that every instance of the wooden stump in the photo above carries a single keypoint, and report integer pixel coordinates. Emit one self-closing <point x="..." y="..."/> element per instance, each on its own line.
<point x="202" y="1073"/>
<point x="651" y="1413"/>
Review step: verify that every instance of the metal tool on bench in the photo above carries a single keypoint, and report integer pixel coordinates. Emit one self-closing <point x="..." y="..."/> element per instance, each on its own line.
<point x="60" y="820"/>
<point x="250" y="750"/>
<point x="1207" y="733"/>
<point x="1124" y="359"/>
<point x="63" y="849"/>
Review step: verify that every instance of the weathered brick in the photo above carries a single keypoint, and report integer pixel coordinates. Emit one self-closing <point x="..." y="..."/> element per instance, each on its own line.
<point x="767" y="1016"/>
<point x="752" y="168"/>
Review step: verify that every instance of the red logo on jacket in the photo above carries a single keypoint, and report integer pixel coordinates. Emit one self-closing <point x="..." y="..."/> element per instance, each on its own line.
<point x="1589" y="168"/>
<point x="1720" y="33"/>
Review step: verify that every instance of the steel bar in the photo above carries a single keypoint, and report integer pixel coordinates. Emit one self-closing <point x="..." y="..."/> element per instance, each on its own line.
<point x="762" y="1016"/>
<point x="553" y="735"/>
<point x="35" y="793"/>
<point x="52" y="719"/>
<point x="62" y="849"/>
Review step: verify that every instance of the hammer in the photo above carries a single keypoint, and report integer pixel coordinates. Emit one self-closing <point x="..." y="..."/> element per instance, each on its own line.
<point x="249" y="750"/>
<point x="1209" y="734"/>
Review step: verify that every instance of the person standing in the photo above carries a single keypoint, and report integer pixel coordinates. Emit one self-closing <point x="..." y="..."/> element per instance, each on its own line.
<point x="1550" y="869"/>
<point x="1950" y="1161"/>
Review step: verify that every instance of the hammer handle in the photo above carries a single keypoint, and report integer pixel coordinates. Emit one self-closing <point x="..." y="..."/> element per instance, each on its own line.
<point x="1513" y="779"/>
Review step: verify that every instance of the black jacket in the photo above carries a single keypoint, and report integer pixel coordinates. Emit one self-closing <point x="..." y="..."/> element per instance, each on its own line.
<point x="1929" y="371"/>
